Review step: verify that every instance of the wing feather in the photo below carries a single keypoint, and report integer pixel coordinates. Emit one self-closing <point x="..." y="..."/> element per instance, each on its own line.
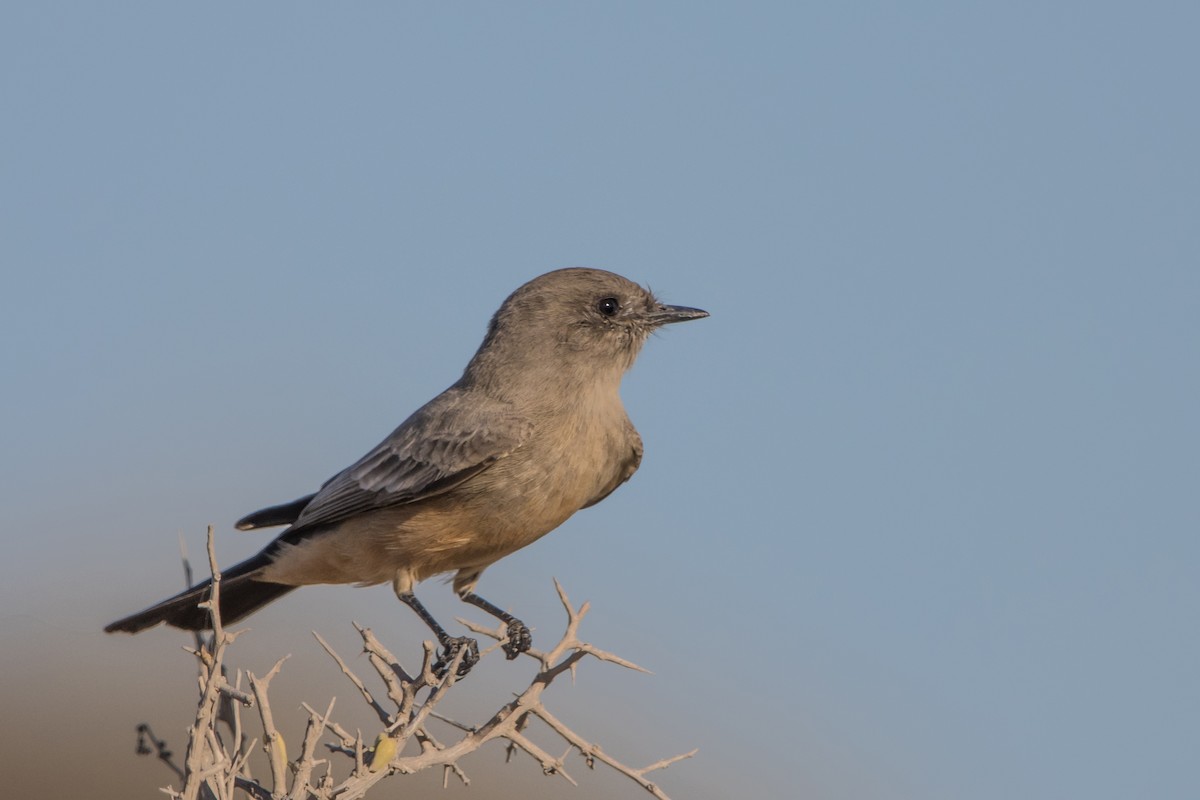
<point x="448" y="441"/>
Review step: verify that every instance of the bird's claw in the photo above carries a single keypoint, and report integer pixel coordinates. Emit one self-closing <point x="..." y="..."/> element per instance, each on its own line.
<point x="450" y="649"/>
<point x="519" y="639"/>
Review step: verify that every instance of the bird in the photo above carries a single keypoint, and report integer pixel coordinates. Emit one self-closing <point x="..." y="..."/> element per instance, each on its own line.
<point x="533" y="431"/>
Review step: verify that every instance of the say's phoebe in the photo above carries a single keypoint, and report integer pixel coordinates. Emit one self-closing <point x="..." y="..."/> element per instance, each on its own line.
<point x="533" y="431"/>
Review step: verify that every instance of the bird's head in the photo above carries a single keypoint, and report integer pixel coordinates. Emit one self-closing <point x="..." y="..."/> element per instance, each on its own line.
<point x="587" y="321"/>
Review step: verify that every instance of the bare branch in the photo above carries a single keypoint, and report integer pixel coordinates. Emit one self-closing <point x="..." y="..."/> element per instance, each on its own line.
<point x="273" y="742"/>
<point x="307" y="760"/>
<point x="358" y="684"/>
<point x="404" y="710"/>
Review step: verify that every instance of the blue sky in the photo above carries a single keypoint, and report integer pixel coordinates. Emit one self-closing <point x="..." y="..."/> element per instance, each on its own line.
<point x="918" y="513"/>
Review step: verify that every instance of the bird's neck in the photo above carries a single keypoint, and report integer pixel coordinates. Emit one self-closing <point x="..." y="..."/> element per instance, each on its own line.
<point x="551" y="383"/>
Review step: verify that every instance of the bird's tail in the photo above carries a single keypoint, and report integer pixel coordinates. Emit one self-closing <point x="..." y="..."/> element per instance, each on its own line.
<point x="241" y="594"/>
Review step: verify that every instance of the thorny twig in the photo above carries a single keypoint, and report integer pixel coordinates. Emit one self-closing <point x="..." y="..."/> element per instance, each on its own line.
<point x="214" y="770"/>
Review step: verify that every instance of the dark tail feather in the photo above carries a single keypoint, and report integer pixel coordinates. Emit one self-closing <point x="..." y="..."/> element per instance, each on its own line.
<point x="241" y="595"/>
<point x="284" y="514"/>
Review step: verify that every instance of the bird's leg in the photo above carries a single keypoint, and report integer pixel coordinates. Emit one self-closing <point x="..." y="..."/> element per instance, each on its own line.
<point x="450" y="644"/>
<point x="519" y="638"/>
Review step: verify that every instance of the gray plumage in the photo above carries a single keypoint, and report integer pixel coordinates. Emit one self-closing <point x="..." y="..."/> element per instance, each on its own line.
<point x="533" y="431"/>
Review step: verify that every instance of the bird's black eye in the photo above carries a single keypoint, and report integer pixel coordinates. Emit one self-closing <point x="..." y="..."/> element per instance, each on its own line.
<point x="609" y="306"/>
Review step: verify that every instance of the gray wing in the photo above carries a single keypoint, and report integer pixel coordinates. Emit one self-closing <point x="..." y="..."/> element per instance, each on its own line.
<point x="453" y="437"/>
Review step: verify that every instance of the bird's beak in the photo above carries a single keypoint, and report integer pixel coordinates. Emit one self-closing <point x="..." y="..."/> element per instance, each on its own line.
<point x="664" y="315"/>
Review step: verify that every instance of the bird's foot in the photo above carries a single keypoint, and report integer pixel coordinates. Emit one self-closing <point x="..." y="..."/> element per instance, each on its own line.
<point x="451" y="646"/>
<point x="519" y="639"/>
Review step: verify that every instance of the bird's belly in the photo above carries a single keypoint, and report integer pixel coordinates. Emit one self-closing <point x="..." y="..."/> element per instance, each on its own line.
<point x="451" y="532"/>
